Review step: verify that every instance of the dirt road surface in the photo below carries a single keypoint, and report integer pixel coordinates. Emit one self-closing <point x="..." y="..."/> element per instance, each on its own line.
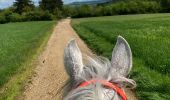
<point x="50" y="74"/>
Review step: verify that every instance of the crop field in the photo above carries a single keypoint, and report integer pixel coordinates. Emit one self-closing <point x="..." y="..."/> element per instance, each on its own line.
<point x="149" y="38"/>
<point x="18" y="43"/>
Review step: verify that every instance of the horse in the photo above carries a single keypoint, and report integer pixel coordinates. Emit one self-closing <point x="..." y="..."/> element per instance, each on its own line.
<point x="100" y="78"/>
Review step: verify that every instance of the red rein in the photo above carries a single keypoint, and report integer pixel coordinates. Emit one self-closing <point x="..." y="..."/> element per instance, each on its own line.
<point x="107" y="84"/>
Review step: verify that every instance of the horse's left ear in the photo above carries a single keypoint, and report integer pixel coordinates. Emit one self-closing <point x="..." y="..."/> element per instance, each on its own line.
<point x="73" y="60"/>
<point x="122" y="57"/>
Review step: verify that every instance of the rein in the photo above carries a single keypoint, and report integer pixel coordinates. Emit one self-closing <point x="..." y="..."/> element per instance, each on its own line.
<point x="106" y="84"/>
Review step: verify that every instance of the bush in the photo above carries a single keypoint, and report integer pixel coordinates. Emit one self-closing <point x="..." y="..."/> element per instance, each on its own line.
<point x="107" y="11"/>
<point x="165" y="4"/>
<point x="7" y="15"/>
<point x="58" y="13"/>
<point x="46" y="16"/>
<point x="2" y="19"/>
<point x="15" y="17"/>
<point x="69" y="11"/>
<point x="38" y="16"/>
<point x="98" y="11"/>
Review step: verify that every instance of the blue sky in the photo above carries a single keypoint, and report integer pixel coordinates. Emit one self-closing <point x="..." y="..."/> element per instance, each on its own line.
<point x="7" y="3"/>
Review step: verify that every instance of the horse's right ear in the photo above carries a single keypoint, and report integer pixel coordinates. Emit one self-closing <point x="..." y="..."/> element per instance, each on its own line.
<point x="73" y="60"/>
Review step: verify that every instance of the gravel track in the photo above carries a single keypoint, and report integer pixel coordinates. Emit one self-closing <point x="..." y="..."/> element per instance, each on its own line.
<point x="50" y="74"/>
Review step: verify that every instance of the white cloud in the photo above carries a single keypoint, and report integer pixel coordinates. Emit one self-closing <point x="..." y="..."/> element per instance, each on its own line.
<point x="6" y="3"/>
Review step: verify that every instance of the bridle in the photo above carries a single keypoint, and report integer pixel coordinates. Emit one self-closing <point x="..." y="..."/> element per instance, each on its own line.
<point x="107" y="84"/>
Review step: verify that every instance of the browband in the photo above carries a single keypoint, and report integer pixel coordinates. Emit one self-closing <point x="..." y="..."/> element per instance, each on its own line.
<point x="107" y="84"/>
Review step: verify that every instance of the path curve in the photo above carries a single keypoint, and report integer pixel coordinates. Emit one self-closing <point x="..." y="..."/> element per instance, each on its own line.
<point x="50" y="74"/>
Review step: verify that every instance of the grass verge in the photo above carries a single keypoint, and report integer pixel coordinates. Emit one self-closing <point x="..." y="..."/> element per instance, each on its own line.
<point x="14" y="86"/>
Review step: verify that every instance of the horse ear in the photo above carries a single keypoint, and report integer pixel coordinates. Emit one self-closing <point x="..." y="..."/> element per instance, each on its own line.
<point x="122" y="57"/>
<point x="73" y="60"/>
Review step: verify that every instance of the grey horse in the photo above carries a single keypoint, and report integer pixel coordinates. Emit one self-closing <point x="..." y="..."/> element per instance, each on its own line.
<point x="98" y="78"/>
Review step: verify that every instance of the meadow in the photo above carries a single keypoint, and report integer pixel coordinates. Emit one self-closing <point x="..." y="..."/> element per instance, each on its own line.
<point x="149" y="38"/>
<point x="19" y="42"/>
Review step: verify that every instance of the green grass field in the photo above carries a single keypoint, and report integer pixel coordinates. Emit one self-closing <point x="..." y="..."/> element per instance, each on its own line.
<point x="149" y="38"/>
<point x="19" y="42"/>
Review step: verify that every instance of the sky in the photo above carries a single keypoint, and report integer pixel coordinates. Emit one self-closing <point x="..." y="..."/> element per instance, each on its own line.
<point x="7" y="3"/>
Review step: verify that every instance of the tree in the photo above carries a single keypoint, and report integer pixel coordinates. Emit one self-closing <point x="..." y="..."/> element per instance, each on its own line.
<point x="51" y="5"/>
<point x="165" y="5"/>
<point x="23" y="6"/>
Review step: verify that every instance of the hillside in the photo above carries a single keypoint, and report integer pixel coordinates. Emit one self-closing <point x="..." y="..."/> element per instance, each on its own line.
<point x="90" y="2"/>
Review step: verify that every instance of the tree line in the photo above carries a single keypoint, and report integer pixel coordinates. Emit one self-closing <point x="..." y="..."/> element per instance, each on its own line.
<point x="120" y="7"/>
<point x="25" y="10"/>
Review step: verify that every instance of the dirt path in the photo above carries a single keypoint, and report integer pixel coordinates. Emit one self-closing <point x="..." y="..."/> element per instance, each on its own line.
<point x="50" y="73"/>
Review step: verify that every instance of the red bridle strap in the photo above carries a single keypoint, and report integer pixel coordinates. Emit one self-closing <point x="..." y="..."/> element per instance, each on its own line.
<point x="107" y="84"/>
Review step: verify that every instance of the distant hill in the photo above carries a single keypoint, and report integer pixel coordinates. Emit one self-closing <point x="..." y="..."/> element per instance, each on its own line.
<point x="90" y="2"/>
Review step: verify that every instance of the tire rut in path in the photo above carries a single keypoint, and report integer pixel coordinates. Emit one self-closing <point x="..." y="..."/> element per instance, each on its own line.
<point x="50" y="73"/>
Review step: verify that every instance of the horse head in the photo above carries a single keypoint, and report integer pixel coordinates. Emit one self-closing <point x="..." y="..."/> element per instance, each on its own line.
<point x="99" y="78"/>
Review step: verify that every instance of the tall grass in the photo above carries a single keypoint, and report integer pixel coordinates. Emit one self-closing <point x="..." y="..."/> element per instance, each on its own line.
<point x="19" y="42"/>
<point x="149" y="38"/>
